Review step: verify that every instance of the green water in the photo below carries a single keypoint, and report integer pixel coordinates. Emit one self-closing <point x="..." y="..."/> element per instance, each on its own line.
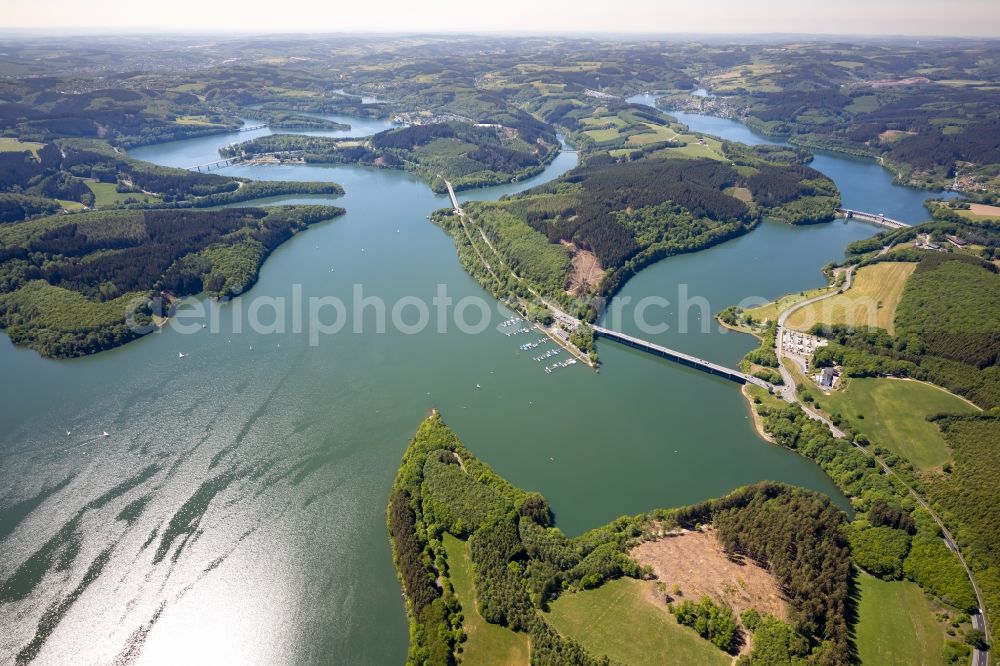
<point x="235" y="512"/>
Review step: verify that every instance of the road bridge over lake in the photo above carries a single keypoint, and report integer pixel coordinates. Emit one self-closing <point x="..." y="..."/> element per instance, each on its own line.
<point x="208" y="166"/>
<point x="875" y="218"/>
<point x="680" y="357"/>
<point x="454" y="199"/>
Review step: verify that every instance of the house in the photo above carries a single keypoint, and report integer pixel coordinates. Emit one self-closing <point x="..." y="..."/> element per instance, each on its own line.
<point x="826" y="379"/>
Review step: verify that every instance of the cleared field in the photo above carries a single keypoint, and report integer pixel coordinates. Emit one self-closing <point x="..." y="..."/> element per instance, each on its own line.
<point x="622" y="620"/>
<point x="487" y="643"/>
<point x="9" y="145"/>
<point x="871" y="300"/>
<point x="981" y="212"/>
<point x="696" y="563"/>
<point x="895" y="624"/>
<point x="895" y="412"/>
<point x="105" y="194"/>
<point x="196" y="120"/>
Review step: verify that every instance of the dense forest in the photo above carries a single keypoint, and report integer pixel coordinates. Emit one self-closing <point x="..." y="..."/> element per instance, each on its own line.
<point x="967" y="497"/>
<point x="69" y="284"/>
<point x="522" y="563"/>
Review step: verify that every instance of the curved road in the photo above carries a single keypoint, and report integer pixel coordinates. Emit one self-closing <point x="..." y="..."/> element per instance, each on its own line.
<point x="979" y="621"/>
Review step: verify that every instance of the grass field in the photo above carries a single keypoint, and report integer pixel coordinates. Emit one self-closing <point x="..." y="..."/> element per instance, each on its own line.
<point x="105" y="194"/>
<point x="10" y="145"/>
<point x="655" y="133"/>
<point x="70" y="205"/>
<point x="711" y="149"/>
<point x="770" y="311"/>
<point x="602" y="135"/>
<point x="620" y="620"/>
<point x="894" y="413"/>
<point x="487" y="644"/>
<point x="871" y="300"/>
<point x="895" y="624"/>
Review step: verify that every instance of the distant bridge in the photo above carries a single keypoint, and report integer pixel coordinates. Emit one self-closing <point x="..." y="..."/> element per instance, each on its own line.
<point x="876" y="218"/>
<point x="218" y="164"/>
<point x="454" y="199"/>
<point x="251" y="129"/>
<point x="680" y="357"/>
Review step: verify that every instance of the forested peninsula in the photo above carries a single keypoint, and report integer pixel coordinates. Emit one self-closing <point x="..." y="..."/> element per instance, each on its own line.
<point x="78" y="284"/>
<point x="446" y="504"/>
<point x="586" y="233"/>
<point x="507" y="148"/>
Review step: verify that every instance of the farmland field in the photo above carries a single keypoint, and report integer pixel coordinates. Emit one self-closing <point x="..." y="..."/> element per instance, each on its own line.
<point x="871" y="300"/>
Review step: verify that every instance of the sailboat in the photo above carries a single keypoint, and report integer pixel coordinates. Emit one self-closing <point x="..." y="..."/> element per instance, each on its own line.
<point x="105" y="434"/>
<point x="181" y="355"/>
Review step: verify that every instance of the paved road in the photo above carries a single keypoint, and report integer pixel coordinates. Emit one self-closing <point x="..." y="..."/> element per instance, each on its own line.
<point x="979" y="657"/>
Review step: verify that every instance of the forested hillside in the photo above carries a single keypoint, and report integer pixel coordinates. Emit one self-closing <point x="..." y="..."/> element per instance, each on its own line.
<point x="968" y="498"/>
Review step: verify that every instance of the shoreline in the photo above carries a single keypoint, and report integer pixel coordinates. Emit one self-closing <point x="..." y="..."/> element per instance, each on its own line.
<point x="758" y="422"/>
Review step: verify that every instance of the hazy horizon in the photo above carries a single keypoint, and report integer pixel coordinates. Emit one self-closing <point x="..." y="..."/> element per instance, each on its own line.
<point x="914" y="18"/>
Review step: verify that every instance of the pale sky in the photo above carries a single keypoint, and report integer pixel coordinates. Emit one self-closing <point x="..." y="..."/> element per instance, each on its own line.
<point x="973" y="18"/>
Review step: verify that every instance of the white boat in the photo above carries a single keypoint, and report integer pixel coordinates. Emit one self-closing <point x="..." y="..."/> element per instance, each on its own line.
<point x="181" y="355"/>
<point x="105" y="434"/>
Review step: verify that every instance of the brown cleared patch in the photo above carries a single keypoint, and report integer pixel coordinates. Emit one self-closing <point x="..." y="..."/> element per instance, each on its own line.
<point x="892" y="83"/>
<point x="696" y="563"/>
<point x="984" y="210"/>
<point x="741" y="193"/>
<point x="585" y="270"/>
<point x="889" y="136"/>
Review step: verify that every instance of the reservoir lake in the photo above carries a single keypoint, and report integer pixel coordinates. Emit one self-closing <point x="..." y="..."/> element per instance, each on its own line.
<point x="235" y="514"/>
